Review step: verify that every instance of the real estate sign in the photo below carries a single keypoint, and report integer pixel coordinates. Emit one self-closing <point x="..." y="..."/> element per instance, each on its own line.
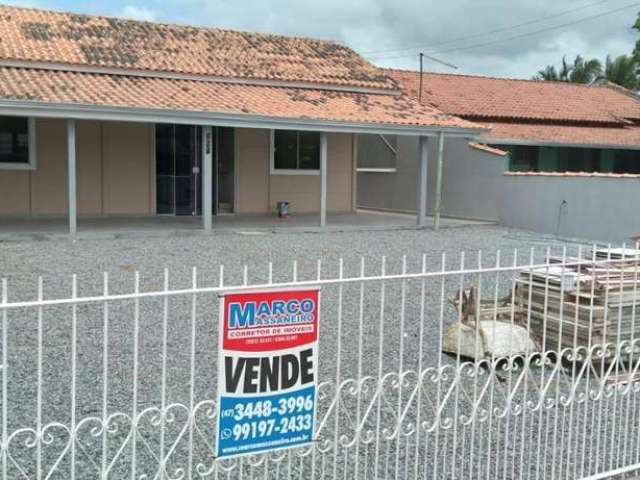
<point x="267" y="370"/>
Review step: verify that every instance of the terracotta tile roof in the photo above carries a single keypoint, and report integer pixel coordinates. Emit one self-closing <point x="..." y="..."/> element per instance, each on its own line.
<point x="59" y="58"/>
<point x="488" y="149"/>
<point x="74" y="88"/>
<point x="47" y="36"/>
<point x="501" y="98"/>
<point x="623" y="136"/>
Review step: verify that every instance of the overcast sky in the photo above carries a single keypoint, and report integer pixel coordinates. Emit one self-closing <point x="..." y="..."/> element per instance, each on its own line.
<point x="479" y="36"/>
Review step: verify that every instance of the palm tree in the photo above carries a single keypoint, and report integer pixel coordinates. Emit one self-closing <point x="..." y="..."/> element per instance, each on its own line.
<point x="585" y="71"/>
<point x="622" y="71"/>
<point x="550" y="73"/>
<point x="580" y="71"/>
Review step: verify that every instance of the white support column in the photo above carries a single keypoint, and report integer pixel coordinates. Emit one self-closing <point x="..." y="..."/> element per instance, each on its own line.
<point x="207" y="178"/>
<point x="422" y="182"/>
<point x="438" y="204"/>
<point x="323" y="179"/>
<point x="354" y="172"/>
<point x="71" y="175"/>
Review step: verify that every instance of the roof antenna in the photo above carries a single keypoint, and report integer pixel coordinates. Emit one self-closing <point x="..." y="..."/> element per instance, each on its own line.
<point x="437" y="60"/>
<point x="421" y="71"/>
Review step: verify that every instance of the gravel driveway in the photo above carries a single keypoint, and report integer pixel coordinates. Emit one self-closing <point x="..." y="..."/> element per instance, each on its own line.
<point x="366" y="345"/>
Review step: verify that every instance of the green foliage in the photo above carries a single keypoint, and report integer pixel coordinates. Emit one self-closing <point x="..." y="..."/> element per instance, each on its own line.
<point x="582" y="70"/>
<point x="585" y="71"/>
<point x="622" y="71"/>
<point x="636" y="50"/>
<point x="550" y="73"/>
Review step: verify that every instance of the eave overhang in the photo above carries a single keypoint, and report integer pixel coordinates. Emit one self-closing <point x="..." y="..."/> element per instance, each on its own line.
<point x="147" y="115"/>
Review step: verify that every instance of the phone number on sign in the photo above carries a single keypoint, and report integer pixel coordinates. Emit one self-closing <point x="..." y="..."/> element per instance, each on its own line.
<point x="265" y="428"/>
<point x="266" y="408"/>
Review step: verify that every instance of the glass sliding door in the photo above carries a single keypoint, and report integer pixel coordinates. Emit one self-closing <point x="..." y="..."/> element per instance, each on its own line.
<point x="164" y="169"/>
<point x="178" y="166"/>
<point x="187" y="170"/>
<point x="178" y="170"/>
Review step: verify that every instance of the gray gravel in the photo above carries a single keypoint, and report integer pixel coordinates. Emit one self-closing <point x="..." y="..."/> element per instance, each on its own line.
<point x="57" y="261"/>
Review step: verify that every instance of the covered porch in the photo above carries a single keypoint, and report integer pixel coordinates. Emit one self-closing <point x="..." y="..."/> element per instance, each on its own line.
<point x="109" y="174"/>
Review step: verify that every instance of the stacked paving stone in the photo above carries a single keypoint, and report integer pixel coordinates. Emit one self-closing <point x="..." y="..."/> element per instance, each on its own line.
<point x="583" y="303"/>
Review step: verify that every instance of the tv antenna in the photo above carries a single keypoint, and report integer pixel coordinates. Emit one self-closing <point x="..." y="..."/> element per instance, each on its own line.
<point x="434" y="59"/>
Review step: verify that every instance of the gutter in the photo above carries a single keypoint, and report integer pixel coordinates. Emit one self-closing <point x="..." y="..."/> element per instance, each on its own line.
<point x="150" y="115"/>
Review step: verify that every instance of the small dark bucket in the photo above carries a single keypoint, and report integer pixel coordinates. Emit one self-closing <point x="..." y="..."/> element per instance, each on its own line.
<point x="283" y="209"/>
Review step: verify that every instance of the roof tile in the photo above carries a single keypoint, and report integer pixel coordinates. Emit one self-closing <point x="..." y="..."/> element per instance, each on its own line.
<point x="215" y="97"/>
<point x="488" y="149"/>
<point x="622" y="136"/>
<point x="66" y="38"/>
<point x="513" y="99"/>
<point x="45" y="57"/>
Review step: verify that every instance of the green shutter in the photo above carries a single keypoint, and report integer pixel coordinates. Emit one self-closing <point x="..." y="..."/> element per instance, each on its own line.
<point x="607" y="160"/>
<point x="548" y="159"/>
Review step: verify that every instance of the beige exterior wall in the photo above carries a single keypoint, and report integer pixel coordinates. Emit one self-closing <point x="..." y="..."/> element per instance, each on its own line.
<point x="89" y="167"/>
<point x="127" y="162"/>
<point x="14" y="192"/>
<point x="258" y="191"/>
<point x="340" y="171"/>
<point x="116" y="173"/>
<point x="252" y="170"/>
<point x="115" y="169"/>
<point x="49" y="179"/>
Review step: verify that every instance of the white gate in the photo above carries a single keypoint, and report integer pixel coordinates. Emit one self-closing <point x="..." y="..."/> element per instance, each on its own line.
<point x="121" y="384"/>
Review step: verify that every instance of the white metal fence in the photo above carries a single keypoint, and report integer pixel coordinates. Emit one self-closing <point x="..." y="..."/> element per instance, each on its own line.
<point x="121" y="384"/>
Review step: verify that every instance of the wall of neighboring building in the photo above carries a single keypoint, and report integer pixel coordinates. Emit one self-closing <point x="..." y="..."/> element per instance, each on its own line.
<point x="594" y="207"/>
<point x="472" y="179"/>
<point x="259" y="191"/>
<point x="115" y="169"/>
<point x="532" y="158"/>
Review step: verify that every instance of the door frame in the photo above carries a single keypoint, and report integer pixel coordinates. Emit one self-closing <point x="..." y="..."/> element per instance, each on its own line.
<point x="216" y="177"/>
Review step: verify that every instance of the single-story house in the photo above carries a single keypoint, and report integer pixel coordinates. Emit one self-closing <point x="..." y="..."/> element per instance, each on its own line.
<point x="554" y="156"/>
<point x="104" y="116"/>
